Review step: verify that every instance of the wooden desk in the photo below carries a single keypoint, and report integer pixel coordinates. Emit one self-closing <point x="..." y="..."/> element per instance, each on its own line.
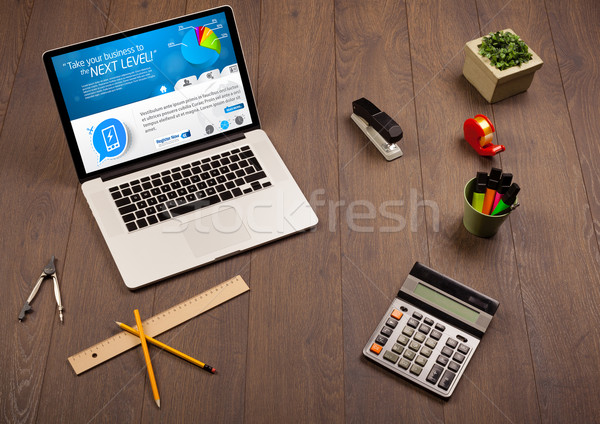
<point x="290" y="350"/>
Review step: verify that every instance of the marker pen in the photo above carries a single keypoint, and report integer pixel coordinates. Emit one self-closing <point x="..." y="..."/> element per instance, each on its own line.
<point x="502" y="187"/>
<point x="507" y="200"/>
<point x="490" y="191"/>
<point x="479" y="192"/>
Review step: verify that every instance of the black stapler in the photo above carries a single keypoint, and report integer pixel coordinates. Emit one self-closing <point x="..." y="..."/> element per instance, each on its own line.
<point x="379" y="127"/>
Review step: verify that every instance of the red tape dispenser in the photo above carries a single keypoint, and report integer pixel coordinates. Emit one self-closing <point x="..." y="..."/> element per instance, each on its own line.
<point x="479" y="134"/>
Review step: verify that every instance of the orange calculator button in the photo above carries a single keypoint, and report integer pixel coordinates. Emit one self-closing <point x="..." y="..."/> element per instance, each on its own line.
<point x="396" y="314"/>
<point x="375" y="348"/>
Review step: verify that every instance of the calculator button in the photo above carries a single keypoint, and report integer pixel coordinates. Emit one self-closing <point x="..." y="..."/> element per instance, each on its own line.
<point x="413" y="323"/>
<point x="453" y="366"/>
<point x="414" y="346"/>
<point x="430" y="343"/>
<point x="404" y="363"/>
<point x="375" y="348"/>
<point x="442" y="360"/>
<point x="417" y="315"/>
<point x="420" y="337"/>
<point x="451" y="342"/>
<point x="434" y="374"/>
<point x="380" y="340"/>
<point x="409" y="354"/>
<point x="416" y="370"/>
<point x="421" y="360"/>
<point x="390" y="356"/>
<point x="403" y="340"/>
<point x="403" y="308"/>
<point x="391" y="322"/>
<point x="428" y="321"/>
<point x="396" y="314"/>
<point x="440" y="327"/>
<point x="408" y="331"/>
<point x="459" y="357"/>
<point x="397" y="348"/>
<point x="446" y="351"/>
<point x="464" y="349"/>
<point x="424" y="328"/>
<point x="387" y="331"/>
<point x="446" y="380"/>
<point x="436" y="334"/>
<point x="426" y="352"/>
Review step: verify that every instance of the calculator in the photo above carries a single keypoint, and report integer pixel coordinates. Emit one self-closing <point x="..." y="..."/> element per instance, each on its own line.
<point x="430" y="332"/>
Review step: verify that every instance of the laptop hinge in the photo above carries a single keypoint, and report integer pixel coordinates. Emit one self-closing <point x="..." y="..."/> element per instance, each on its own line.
<point x="147" y="163"/>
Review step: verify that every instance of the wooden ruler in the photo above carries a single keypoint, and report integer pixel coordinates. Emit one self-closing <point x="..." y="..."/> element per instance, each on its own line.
<point x="158" y="324"/>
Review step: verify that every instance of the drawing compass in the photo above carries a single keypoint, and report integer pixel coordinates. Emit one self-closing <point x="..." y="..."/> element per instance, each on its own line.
<point x="48" y="271"/>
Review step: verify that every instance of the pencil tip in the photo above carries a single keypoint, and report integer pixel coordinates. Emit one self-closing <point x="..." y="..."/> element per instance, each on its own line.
<point x="158" y="402"/>
<point x="117" y="322"/>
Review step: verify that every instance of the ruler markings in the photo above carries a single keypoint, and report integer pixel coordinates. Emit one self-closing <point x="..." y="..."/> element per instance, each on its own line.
<point x="166" y="320"/>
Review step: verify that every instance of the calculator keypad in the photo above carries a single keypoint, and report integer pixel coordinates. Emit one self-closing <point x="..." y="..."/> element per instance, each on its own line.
<point x="413" y="343"/>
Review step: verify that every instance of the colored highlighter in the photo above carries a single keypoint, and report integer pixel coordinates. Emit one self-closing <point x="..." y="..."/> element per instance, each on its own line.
<point x="507" y="200"/>
<point x="479" y="192"/>
<point x="505" y="182"/>
<point x="490" y="191"/>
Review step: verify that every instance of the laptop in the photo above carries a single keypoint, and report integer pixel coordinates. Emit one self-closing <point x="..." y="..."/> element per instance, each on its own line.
<point x="166" y="141"/>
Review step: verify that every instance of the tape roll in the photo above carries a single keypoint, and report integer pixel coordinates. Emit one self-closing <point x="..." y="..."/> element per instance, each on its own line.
<point x="484" y="124"/>
<point x="487" y="130"/>
<point x="484" y="141"/>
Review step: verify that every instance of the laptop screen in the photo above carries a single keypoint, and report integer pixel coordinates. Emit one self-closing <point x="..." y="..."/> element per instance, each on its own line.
<point x="138" y="94"/>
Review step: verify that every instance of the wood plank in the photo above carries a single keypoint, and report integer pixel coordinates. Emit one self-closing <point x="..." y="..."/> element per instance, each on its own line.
<point x="37" y="210"/>
<point x="94" y="297"/>
<point x="543" y="154"/>
<point x="438" y="32"/>
<point x="575" y="34"/>
<point x="295" y="366"/>
<point x="378" y="249"/>
<point x="13" y="23"/>
<point x="117" y="390"/>
<point x="219" y="337"/>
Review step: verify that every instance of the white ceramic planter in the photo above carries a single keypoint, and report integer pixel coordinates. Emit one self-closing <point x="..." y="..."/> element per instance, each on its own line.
<point x="493" y="84"/>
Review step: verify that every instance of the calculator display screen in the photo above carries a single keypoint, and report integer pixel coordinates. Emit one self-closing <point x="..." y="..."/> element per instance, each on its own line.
<point x="446" y="303"/>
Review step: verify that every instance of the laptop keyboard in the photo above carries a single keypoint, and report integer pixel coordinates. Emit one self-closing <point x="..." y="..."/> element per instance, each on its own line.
<point x="184" y="189"/>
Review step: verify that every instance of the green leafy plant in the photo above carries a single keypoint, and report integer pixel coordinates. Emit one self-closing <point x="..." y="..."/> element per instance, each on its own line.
<point x="504" y="50"/>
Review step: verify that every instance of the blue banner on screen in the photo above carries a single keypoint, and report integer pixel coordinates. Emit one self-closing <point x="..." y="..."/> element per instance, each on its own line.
<point x="131" y="97"/>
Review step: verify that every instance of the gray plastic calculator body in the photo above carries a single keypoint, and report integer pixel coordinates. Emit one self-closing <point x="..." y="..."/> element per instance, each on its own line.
<point x="431" y="330"/>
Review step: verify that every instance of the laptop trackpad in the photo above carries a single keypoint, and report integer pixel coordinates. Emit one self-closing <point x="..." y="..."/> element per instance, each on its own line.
<point x="215" y="232"/>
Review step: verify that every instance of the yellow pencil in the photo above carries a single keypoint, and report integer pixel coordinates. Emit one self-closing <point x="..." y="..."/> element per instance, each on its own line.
<point x="168" y="348"/>
<point x="138" y="321"/>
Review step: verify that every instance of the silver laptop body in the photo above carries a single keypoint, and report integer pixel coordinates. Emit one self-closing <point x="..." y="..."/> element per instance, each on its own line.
<point x="166" y="141"/>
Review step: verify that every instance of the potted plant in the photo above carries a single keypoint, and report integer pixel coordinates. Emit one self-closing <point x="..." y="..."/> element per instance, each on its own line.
<point x="500" y="65"/>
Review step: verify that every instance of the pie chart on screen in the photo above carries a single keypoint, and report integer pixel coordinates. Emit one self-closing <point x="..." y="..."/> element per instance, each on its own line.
<point x="200" y="46"/>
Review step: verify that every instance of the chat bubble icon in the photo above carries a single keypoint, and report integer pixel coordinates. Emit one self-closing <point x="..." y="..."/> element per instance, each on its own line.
<point x="110" y="139"/>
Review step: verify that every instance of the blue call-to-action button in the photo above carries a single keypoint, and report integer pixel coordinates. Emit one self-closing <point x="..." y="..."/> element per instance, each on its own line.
<point x="234" y="107"/>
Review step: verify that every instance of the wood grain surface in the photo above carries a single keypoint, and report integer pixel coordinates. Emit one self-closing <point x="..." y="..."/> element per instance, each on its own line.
<point x="290" y="350"/>
<point x="15" y="15"/>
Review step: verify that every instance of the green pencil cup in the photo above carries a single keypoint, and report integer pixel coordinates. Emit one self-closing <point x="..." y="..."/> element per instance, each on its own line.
<point x="474" y="221"/>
